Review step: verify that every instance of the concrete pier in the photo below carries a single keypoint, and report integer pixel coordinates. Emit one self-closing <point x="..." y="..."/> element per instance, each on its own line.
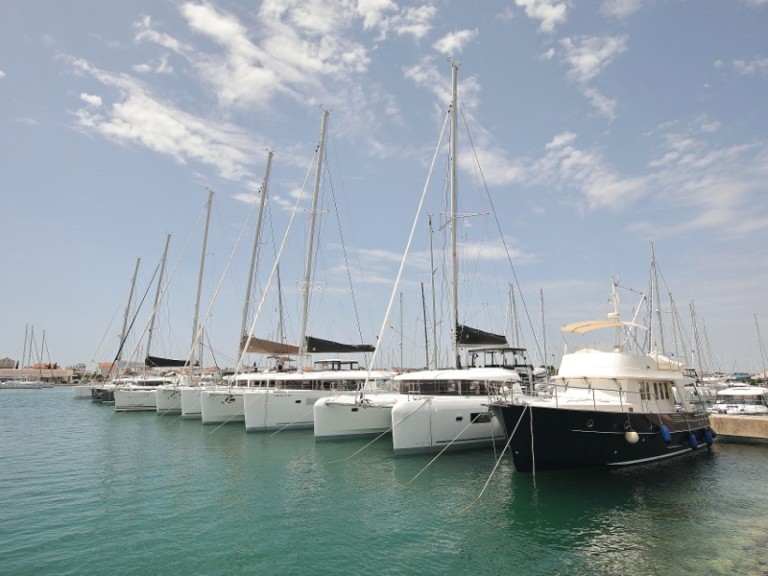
<point x="740" y="426"/>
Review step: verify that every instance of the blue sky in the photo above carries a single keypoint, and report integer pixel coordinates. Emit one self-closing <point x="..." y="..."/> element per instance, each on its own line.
<point x="588" y="131"/>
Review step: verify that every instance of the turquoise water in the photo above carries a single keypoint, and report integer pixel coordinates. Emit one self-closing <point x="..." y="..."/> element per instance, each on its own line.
<point x="84" y="490"/>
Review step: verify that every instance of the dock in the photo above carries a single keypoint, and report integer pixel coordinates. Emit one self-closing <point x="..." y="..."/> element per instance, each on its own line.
<point x="755" y="427"/>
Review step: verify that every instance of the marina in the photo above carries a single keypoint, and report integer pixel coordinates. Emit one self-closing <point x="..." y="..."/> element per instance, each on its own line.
<point x="234" y="344"/>
<point x="90" y="490"/>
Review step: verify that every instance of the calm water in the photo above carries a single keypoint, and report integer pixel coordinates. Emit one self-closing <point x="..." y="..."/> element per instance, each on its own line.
<point x="84" y="490"/>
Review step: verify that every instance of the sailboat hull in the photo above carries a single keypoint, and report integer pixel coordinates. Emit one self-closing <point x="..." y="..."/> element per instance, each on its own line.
<point x="344" y="416"/>
<point x="435" y="423"/>
<point x="134" y="399"/>
<point x="280" y="409"/>
<point x="168" y="400"/>
<point x="221" y="406"/>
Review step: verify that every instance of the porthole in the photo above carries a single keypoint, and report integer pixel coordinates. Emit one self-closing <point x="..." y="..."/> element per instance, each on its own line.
<point x="590" y="423"/>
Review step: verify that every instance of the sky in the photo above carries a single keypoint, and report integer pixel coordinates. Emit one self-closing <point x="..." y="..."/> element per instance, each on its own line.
<point x="592" y="136"/>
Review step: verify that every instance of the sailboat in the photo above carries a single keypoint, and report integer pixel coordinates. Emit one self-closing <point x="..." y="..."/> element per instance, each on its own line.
<point x="139" y="392"/>
<point x="26" y="381"/>
<point x="283" y="398"/>
<point x="106" y="392"/>
<point x="614" y="407"/>
<point x="223" y="403"/>
<point x="435" y="409"/>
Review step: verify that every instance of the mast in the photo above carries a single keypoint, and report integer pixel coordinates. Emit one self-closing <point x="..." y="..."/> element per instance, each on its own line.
<point x="24" y="352"/>
<point x="401" y="329"/>
<point x="195" y="340"/>
<point x="157" y="295"/>
<point x="544" y="330"/>
<point x="127" y="312"/>
<point x="426" y="338"/>
<point x="763" y="357"/>
<point x="311" y="242"/>
<point x="256" y="237"/>
<point x="454" y="212"/>
<point x="280" y="319"/>
<point x="655" y="305"/>
<point x="434" y="311"/>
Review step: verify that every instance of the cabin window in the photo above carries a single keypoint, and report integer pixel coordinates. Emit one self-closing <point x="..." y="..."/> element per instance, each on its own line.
<point x="481" y="417"/>
<point x="644" y="391"/>
<point x="656" y="390"/>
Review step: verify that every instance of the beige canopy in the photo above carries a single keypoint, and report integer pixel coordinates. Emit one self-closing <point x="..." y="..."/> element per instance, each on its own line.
<point x="590" y="325"/>
<point x="261" y="346"/>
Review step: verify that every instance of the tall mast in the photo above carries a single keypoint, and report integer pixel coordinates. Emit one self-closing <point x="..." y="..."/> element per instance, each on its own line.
<point x="311" y="241"/>
<point x="24" y="352"/>
<point x="544" y="330"/>
<point x="256" y="238"/>
<point x="763" y="358"/>
<point x="157" y="295"/>
<point x="127" y="312"/>
<point x="426" y="338"/>
<point x="195" y="340"/>
<point x="656" y="303"/>
<point x="453" y="216"/>
<point x="280" y="319"/>
<point x="434" y="309"/>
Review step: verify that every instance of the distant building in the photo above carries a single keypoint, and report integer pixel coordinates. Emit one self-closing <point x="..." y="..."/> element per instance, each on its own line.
<point x="107" y="369"/>
<point x="6" y="363"/>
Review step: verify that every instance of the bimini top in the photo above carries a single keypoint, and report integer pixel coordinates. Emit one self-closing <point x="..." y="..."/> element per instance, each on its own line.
<point x="590" y="325"/>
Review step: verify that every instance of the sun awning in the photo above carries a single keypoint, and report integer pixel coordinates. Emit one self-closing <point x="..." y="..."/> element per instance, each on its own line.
<point x="262" y="346"/>
<point x="590" y="325"/>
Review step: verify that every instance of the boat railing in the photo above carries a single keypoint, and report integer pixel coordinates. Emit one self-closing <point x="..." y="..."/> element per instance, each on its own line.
<point x="603" y="394"/>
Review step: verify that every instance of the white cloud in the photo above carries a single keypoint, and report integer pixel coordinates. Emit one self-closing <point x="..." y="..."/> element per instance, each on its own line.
<point x="91" y="99"/>
<point x="2" y="74"/>
<point x="135" y="117"/>
<point x="604" y="105"/>
<point x="300" y="45"/>
<point x="549" y="13"/>
<point x="620" y="9"/>
<point x="147" y="34"/>
<point x="374" y="12"/>
<point x="756" y="66"/>
<point x="455" y="42"/>
<point x="587" y="56"/>
<point x="416" y="22"/>
<point x="565" y="166"/>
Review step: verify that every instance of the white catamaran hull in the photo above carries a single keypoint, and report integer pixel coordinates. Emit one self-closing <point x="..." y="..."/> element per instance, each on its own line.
<point x="168" y="400"/>
<point x="346" y="416"/>
<point x="135" y="399"/>
<point x="221" y="406"/>
<point x="280" y="409"/>
<point x="432" y="423"/>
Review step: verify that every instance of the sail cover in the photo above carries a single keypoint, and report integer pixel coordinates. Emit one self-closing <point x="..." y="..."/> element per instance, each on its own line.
<point x="316" y="345"/>
<point x="158" y="362"/>
<point x="262" y="346"/>
<point x="468" y="336"/>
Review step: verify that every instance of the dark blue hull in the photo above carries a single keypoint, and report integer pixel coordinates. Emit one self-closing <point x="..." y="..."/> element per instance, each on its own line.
<point x="549" y="438"/>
